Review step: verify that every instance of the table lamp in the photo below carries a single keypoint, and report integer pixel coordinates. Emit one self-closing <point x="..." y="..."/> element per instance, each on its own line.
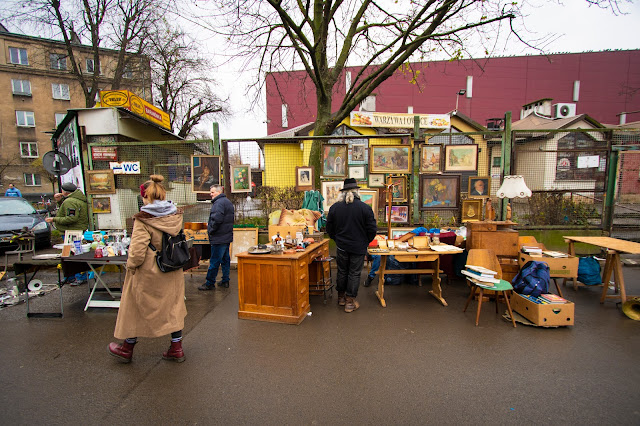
<point x="513" y="187"/>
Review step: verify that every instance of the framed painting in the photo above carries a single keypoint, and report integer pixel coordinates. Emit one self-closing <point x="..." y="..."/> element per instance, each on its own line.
<point x="101" y="205"/>
<point x="390" y="159"/>
<point x="334" y="160"/>
<point x="399" y="214"/>
<point x="370" y="198"/>
<point x="479" y="186"/>
<point x="471" y="210"/>
<point x="205" y="171"/>
<point x="100" y="182"/>
<point x="376" y="180"/>
<point x="304" y="178"/>
<point x="330" y="193"/>
<point x="399" y="188"/>
<point x="461" y="158"/>
<point x="399" y="232"/>
<point x="358" y="154"/>
<point x="241" y="178"/>
<point x="357" y="172"/>
<point x="430" y="158"/>
<point x="439" y="192"/>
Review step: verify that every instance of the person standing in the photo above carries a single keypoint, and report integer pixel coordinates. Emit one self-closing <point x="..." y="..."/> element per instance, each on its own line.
<point x="73" y="212"/>
<point x="220" y="229"/>
<point x="352" y="225"/>
<point x="12" y="191"/>
<point x="152" y="302"/>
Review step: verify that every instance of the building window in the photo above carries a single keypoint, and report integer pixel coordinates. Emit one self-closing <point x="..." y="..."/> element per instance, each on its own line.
<point x="126" y="72"/>
<point x="18" y="56"/>
<point x="58" y="61"/>
<point x="21" y="87"/>
<point x="25" y="119"/>
<point x="60" y="91"/>
<point x="91" y="66"/>
<point x="32" y="179"/>
<point x="59" y="117"/>
<point x="29" y="149"/>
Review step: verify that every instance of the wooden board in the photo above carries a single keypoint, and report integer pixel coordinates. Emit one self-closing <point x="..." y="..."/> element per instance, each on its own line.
<point x="243" y="240"/>
<point x="609" y="243"/>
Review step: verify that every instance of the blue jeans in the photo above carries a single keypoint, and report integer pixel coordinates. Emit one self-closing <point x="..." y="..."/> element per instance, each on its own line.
<point x="375" y="265"/>
<point x="219" y="256"/>
<point x="349" y="269"/>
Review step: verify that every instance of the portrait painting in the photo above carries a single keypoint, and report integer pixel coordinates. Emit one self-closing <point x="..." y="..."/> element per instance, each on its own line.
<point x="376" y="180"/>
<point x="100" y="182"/>
<point x="205" y="171"/>
<point x="390" y="159"/>
<point x="304" y="178"/>
<point x="370" y="198"/>
<point x="101" y="205"/>
<point x="461" y="158"/>
<point x="358" y="154"/>
<point x="330" y="193"/>
<point x="439" y="191"/>
<point x="357" y="172"/>
<point x="334" y="160"/>
<point x="241" y="178"/>
<point x="471" y="210"/>
<point x="399" y="214"/>
<point x="430" y="158"/>
<point x="479" y="186"/>
<point x="399" y="188"/>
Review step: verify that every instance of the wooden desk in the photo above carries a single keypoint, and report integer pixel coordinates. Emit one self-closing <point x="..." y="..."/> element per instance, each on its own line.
<point x="613" y="264"/>
<point x="416" y="256"/>
<point x="275" y="287"/>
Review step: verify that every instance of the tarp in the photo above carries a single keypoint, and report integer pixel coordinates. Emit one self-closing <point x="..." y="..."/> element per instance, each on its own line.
<point x="313" y="201"/>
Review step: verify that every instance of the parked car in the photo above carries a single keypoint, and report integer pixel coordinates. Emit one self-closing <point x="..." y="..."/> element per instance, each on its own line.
<point x="16" y="214"/>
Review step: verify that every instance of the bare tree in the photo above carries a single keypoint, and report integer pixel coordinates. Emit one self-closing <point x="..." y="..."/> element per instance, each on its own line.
<point x="181" y="86"/>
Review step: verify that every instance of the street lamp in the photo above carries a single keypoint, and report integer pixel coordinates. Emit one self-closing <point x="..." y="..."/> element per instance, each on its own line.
<point x="460" y="92"/>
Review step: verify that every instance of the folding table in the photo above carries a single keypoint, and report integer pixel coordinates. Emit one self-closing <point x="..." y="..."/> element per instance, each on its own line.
<point x="24" y="266"/>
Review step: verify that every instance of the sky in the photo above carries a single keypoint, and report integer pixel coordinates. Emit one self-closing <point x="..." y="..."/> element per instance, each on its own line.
<point x="577" y="26"/>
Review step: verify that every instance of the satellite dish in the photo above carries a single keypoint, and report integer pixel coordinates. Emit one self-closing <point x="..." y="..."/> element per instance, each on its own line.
<point x="56" y="163"/>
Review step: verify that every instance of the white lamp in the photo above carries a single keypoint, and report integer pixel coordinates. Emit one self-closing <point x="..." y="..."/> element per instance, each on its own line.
<point x="513" y="187"/>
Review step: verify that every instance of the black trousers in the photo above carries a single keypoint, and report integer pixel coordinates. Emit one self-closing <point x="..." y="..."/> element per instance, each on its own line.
<point x="349" y="269"/>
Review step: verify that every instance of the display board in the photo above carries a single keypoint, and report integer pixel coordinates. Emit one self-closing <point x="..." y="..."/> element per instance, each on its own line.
<point x="243" y="240"/>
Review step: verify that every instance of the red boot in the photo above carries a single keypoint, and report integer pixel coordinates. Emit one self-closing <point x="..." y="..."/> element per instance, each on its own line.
<point x="123" y="352"/>
<point x="175" y="352"/>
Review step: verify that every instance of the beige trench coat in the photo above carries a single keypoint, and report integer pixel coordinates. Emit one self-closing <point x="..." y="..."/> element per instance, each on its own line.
<point x="152" y="302"/>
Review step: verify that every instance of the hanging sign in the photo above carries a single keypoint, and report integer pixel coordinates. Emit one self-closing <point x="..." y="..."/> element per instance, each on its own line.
<point x="102" y="153"/>
<point x="395" y="120"/>
<point x="125" y="168"/>
<point x="135" y="104"/>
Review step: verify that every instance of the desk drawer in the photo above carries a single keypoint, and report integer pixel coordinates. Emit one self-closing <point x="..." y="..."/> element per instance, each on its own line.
<point x="416" y="257"/>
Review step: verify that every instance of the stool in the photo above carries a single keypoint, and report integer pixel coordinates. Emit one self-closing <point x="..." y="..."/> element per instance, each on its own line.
<point x="323" y="283"/>
<point x="501" y="287"/>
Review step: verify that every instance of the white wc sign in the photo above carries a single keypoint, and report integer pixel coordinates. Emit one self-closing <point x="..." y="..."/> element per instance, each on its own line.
<point x="125" y="168"/>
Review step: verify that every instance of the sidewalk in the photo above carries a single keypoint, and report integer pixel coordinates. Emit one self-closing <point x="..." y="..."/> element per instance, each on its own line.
<point x="414" y="362"/>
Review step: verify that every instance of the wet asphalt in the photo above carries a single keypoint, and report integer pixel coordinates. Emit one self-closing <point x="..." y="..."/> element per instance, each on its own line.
<point x="413" y="362"/>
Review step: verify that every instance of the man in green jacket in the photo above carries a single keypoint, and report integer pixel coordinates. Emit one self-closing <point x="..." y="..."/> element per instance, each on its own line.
<point x="73" y="212"/>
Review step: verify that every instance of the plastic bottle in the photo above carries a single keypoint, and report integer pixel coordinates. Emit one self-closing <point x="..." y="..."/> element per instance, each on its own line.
<point x="288" y="238"/>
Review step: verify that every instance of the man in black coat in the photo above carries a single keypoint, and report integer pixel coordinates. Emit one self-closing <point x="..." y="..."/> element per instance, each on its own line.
<point x="220" y="229"/>
<point x="352" y="225"/>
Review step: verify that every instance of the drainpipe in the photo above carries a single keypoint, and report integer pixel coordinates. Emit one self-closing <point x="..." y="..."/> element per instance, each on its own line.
<point x="505" y="162"/>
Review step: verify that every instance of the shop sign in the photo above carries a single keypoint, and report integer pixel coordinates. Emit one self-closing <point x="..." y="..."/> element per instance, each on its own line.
<point x="135" y="104"/>
<point x="125" y="168"/>
<point x="104" y="153"/>
<point x="402" y="121"/>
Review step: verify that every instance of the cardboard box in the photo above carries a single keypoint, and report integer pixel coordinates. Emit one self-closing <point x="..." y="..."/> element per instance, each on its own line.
<point x="559" y="267"/>
<point x="549" y="315"/>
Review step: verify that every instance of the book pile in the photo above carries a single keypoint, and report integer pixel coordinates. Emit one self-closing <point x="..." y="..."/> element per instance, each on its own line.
<point x="532" y="251"/>
<point x="552" y="298"/>
<point x="445" y="248"/>
<point x="556" y="254"/>
<point x="480" y="275"/>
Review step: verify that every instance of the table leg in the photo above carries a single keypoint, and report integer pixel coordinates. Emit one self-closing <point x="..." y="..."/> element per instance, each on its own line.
<point x="606" y="276"/>
<point x="613" y="265"/>
<point x="381" y="272"/>
<point x="98" y="280"/>
<point x="572" y="252"/>
<point x="436" y="290"/>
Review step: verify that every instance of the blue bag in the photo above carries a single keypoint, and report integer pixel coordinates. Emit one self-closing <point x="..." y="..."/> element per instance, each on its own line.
<point x="589" y="271"/>
<point x="533" y="279"/>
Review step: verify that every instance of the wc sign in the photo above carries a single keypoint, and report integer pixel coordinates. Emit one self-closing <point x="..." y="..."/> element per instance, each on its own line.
<point x="125" y="168"/>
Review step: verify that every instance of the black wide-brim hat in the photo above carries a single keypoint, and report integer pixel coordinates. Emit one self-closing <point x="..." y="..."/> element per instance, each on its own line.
<point x="349" y="183"/>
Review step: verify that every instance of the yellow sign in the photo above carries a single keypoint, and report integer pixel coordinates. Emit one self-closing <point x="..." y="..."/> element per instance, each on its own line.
<point x="395" y="120"/>
<point x="135" y="104"/>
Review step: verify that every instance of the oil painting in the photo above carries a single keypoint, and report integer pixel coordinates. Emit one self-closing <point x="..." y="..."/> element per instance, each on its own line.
<point x="241" y="178"/>
<point x="330" y="193"/>
<point x="439" y="192"/>
<point x="430" y="158"/>
<point x="461" y="158"/>
<point x="334" y="160"/>
<point x="390" y="159"/>
<point x="205" y="171"/>
<point x="370" y="198"/>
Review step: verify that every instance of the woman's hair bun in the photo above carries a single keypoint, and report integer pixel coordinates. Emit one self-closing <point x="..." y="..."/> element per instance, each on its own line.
<point x="157" y="178"/>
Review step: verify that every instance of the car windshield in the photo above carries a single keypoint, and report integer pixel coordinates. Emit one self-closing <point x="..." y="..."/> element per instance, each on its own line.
<point x="8" y="206"/>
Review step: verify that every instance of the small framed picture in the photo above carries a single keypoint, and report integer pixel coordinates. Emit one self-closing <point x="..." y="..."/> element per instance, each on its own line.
<point x="479" y="186"/>
<point x="471" y="210"/>
<point x="334" y="160"/>
<point x="100" y="182"/>
<point x="205" y="171"/>
<point x="304" y="178"/>
<point x="399" y="232"/>
<point x="101" y="205"/>
<point x="241" y="178"/>
<point x="330" y="193"/>
<point x="370" y="198"/>
<point x="461" y="158"/>
<point x="399" y="214"/>
<point x="430" y="158"/>
<point x="358" y="154"/>
<point x="376" y="180"/>
<point x="357" y="172"/>
<point x="399" y="188"/>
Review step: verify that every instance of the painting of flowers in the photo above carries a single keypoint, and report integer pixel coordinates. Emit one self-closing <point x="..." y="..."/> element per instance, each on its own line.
<point x="439" y="191"/>
<point x="241" y="178"/>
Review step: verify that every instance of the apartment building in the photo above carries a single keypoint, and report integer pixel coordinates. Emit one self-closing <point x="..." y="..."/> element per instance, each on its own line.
<point x="39" y="88"/>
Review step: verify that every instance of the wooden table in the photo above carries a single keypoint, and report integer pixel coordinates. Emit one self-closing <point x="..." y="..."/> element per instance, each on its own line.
<point x="613" y="264"/>
<point x="275" y="287"/>
<point x="424" y="255"/>
<point x="86" y="262"/>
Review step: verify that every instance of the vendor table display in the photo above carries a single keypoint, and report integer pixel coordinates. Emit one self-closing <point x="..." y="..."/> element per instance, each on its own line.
<point x="614" y="247"/>
<point x="86" y="262"/>
<point x="275" y="287"/>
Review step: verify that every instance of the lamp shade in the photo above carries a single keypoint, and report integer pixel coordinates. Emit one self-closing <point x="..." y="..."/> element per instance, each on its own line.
<point x="513" y="187"/>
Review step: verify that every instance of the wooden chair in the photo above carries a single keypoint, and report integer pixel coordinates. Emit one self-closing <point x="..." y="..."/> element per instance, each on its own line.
<point x="26" y="244"/>
<point x="488" y="259"/>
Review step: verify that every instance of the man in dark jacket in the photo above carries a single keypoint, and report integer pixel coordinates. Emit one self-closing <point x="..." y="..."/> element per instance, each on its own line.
<point x="352" y="225"/>
<point x="220" y="229"/>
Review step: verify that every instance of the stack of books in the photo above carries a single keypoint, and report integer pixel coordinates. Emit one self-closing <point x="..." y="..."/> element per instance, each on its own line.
<point x="556" y="254"/>
<point x="552" y="298"/>
<point x="480" y="275"/>
<point x="532" y="251"/>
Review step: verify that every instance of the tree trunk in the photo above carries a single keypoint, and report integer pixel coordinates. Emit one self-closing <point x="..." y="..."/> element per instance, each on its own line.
<point x="322" y="125"/>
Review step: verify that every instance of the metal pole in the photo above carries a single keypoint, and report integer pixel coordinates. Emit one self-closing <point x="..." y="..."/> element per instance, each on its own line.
<point x="507" y="146"/>
<point x="611" y="190"/>
<point x="415" y="177"/>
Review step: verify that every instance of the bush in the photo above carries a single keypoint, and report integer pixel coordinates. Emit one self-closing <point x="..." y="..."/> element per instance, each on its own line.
<point x="557" y="209"/>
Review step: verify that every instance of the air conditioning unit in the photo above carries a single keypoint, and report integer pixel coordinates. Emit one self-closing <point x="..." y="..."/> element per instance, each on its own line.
<point x="564" y="110"/>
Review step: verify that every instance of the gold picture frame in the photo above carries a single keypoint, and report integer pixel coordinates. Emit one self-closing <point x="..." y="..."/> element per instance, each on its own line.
<point x="304" y="178"/>
<point x="471" y="210"/>
<point x="370" y="198"/>
<point x="479" y="186"/>
<point x="100" y="205"/>
<point x="390" y="159"/>
<point x="100" y="182"/>
<point x="461" y="158"/>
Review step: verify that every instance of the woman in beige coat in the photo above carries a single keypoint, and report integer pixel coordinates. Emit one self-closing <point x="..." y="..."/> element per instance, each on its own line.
<point x="152" y="302"/>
